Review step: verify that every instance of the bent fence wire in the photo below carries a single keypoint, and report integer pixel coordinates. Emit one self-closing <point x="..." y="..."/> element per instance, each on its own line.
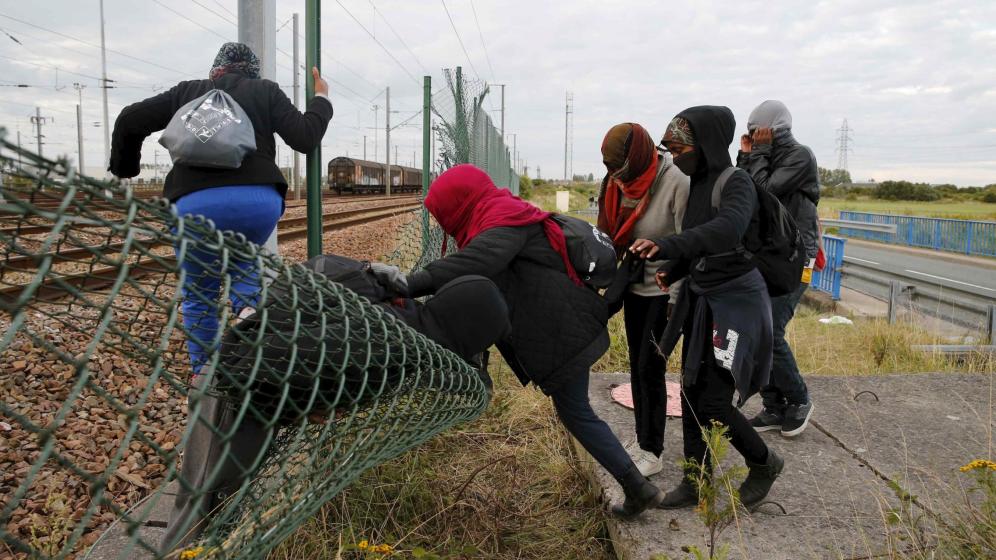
<point x="96" y="380"/>
<point x="465" y="132"/>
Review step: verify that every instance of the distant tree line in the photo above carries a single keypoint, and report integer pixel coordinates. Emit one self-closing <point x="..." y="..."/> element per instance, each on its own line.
<point x="904" y="190"/>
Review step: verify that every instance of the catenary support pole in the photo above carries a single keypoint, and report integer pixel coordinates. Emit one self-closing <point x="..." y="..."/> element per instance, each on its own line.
<point x="312" y="55"/>
<point x="426" y="149"/>
<point x="103" y="89"/>
<point x="387" y="152"/>
<point x="297" y="104"/>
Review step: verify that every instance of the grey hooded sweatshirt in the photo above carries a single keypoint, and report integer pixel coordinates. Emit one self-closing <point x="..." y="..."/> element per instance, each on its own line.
<point x="785" y="168"/>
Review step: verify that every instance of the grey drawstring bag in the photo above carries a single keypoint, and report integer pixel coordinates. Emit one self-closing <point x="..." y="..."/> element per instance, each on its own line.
<point x="210" y="131"/>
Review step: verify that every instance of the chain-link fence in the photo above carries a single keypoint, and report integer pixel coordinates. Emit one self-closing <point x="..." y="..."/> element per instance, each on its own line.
<point x="96" y="380"/>
<point x="466" y="133"/>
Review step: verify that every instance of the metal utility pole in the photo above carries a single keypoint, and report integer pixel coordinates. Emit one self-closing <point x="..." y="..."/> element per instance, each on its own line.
<point x="387" y="131"/>
<point x="376" y="109"/>
<point x="258" y="30"/>
<point x="426" y="147"/>
<point x="843" y="137"/>
<point x="515" y="152"/>
<point x="104" y="86"/>
<point x="79" y="126"/>
<point x="297" y="105"/>
<point x="20" y="163"/>
<point x="38" y="121"/>
<point x="568" y="136"/>
<point x="364" y="147"/>
<point x="502" y="112"/>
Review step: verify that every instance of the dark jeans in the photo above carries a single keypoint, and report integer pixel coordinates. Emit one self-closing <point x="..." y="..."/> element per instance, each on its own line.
<point x="574" y="410"/>
<point x="711" y="398"/>
<point x="646" y="318"/>
<point x="786" y="385"/>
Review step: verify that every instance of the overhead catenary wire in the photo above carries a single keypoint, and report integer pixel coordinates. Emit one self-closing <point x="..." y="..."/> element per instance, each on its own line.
<point x="214" y="12"/>
<point x="89" y="44"/>
<point x="391" y="27"/>
<point x="204" y="27"/>
<point x="483" y="44"/>
<point x="381" y="45"/>
<point x="460" y="40"/>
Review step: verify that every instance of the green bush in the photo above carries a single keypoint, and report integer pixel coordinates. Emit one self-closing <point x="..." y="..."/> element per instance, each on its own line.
<point x="905" y="190"/>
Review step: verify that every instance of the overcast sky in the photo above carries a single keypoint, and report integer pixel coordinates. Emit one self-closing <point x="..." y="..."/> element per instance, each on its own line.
<point x="915" y="80"/>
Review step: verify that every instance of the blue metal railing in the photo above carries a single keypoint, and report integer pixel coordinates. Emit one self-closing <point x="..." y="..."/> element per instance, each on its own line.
<point x="828" y="279"/>
<point x="960" y="236"/>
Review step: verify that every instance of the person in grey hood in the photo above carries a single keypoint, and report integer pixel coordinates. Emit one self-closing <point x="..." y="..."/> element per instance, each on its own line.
<point x="786" y="168"/>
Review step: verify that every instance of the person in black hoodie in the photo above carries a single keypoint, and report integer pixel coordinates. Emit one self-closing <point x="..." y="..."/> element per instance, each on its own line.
<point x="246" y="200"/>
<point x="786" y="168"/>
<point x="723" y="312"/>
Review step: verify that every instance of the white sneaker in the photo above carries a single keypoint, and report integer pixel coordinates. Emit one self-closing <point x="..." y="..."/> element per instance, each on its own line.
<point x="648" y="463"/>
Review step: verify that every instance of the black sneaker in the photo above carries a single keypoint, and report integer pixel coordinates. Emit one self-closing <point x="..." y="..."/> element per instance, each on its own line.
<point x="796" y="418"/>
<point x="767" y="420"/>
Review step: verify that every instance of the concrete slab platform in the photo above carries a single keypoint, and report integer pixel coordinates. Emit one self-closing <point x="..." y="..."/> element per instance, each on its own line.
<point x="152" y="514"/>
<point x="834" y="496"/>
<point x="919" y="430"/>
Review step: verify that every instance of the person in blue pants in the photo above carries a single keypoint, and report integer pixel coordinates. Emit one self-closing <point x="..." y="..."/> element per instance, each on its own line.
<point x="246" y="200"/>
<point x="253" y="211"/>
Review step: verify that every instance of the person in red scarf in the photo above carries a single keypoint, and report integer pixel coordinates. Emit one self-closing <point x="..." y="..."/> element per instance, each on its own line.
<point x="643" y="196"/>
<point x="558" y="324"/>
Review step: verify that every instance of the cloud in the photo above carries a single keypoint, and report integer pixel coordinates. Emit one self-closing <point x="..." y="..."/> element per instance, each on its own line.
<point x="904" y="74"/>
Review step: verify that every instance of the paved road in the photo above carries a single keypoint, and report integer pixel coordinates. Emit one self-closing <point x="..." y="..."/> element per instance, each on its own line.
<point x="931" y="278"/>
<point x="957" y="274"/>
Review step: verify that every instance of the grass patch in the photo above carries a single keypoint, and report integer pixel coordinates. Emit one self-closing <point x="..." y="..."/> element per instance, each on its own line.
<point x="869" y="347"/>
<point x="545" y="195"/>
<point x="505" y="486"/>
<point x="956" y="209"/>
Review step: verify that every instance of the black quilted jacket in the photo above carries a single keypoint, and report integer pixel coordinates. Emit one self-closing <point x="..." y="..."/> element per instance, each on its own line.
<point x="558" y="327"/>
<point x="788" y="170"/>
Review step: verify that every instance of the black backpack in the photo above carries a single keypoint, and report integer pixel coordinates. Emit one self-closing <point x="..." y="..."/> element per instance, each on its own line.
<point x="351" y="273"/>
<point x="773" y="241"/>
<point x="590" y="251"/>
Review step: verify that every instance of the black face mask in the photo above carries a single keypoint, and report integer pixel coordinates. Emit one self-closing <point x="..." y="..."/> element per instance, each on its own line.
<point x="687" y="162"/>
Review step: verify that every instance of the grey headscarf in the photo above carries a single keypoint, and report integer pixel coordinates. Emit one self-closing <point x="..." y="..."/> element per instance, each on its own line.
<point x="770" y="114"/>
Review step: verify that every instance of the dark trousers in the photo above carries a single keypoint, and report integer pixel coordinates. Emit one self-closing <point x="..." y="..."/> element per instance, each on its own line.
<point x="786" y="385"/>
<point x="645" y="318"/>
<point x="574" y="410"/>
<point x="711" y="398"/>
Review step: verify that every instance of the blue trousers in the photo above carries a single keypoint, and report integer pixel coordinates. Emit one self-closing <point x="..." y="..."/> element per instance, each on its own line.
<point x="253" y="211"/>
<point x="786" y="385"/>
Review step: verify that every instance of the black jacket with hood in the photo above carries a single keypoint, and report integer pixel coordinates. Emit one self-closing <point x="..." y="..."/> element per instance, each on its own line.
<point x="268" y="108"/>
<point x="558" y="327"/>
<point x="788" y="170"/>
<point x="724" y="312"/>
<point x="706" y="246"/>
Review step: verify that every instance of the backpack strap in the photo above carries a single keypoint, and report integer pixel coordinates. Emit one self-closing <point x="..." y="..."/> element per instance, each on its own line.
<point x="717" y="188"/>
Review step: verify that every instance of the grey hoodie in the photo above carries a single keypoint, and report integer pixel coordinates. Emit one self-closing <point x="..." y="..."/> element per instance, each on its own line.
<point x="785" y="168"/>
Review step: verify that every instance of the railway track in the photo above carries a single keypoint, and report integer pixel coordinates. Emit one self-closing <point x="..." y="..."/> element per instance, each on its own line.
<point x="55" y="286"/>
<point x="31" y="229"/>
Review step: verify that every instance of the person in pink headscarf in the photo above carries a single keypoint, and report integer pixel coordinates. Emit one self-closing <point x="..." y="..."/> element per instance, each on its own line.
<point x="558" y="323"/>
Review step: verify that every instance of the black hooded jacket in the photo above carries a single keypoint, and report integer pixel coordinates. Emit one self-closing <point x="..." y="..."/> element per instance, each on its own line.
<point x="788" y="170"/>
<point x="268" y="108"/>
<point x="707" y="246"/>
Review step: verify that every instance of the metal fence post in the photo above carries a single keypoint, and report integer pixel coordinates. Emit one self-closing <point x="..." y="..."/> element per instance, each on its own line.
<point x="894" y="290"/>
<point x="313" y="164"/>
<point x="426" y="152"/>
<point x="991" y="324"/>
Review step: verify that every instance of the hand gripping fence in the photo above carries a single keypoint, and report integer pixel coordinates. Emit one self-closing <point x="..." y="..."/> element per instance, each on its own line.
<point x="99" y="412"/>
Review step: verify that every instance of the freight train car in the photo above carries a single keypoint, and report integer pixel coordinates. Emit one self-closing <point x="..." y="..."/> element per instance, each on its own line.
<point x="356" y="176"/>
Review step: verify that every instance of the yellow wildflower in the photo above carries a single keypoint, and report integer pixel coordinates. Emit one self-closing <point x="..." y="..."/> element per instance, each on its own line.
<point x="383" y="549"/>
<point x="979" y="464"/>
<point x="191" y="553"/>
<point x="364" y="544"/>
